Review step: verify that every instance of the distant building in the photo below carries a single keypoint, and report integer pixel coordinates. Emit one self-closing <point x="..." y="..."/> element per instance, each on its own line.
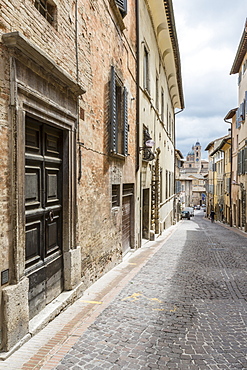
<point x="192" y="178"/>
<point x="218" y="181"/>
<point x="194" y="163"/>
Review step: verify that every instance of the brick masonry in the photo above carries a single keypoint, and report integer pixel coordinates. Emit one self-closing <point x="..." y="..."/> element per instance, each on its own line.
<point x="83" y="44"/>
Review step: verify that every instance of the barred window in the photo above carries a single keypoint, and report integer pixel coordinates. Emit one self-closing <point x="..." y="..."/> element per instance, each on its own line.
<point x="115" y="196"/>
<point x="47" y="8"/>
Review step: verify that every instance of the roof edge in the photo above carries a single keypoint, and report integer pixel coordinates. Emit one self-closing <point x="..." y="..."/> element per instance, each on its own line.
<point x="173" y="35"/>
<point x="242" y="48"/>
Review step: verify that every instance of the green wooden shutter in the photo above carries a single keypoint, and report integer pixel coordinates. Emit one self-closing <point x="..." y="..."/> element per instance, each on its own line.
<point x="125" y="117"/>
<point x="113" y="113"/>
<point x="245" y="160"/>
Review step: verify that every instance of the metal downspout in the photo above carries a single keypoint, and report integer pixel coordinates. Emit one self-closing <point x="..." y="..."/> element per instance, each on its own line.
<point x="137" y="87"/>
<point x="138" y="169"/>
<point x="175" y="218"/>
<point x="230" y="185"/>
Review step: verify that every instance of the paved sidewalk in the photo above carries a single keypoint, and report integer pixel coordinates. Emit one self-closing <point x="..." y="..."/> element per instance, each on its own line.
<point x="178" y="303"/>
<point x="56" y="339"/>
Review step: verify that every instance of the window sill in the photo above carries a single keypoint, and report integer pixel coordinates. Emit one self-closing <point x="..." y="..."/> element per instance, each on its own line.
<point x="118" y="155"/>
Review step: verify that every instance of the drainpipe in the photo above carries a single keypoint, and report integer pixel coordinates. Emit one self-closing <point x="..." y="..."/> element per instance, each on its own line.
<point x="138" y="168"/>
<point x="230" y="185"/>
<point x="137" y="86"/>
<point x="76" y="40"/>
<point x="174" y="182"/>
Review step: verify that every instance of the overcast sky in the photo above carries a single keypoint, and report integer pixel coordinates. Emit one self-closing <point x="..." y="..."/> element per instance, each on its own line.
<point x="208" y="34"/>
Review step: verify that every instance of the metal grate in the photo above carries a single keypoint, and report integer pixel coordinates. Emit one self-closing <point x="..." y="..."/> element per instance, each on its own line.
<point x="46" y="9"/>
<point x="115" y="196"/>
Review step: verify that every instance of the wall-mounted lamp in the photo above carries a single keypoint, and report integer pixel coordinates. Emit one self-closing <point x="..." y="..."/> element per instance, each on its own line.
<point x="148" y="155"/>
<point x="148" y="144"/>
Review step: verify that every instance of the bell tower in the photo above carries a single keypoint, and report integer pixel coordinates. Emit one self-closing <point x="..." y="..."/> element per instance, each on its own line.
<point x="198" y="154"/>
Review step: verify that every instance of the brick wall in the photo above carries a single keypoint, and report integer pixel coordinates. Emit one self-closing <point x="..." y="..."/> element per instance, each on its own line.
<point x="99" y="229"/>
<point x="100" y="44"/>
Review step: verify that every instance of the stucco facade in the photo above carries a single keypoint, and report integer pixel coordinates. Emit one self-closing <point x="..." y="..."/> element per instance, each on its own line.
<point x="239" y="138"/>
<point x="160" y="94"/>
<point x="227" y="181"/>
<point x="219" y="175"/>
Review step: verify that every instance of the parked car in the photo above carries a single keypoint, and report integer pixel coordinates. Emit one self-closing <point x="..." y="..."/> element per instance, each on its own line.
<point x="191" y="211"/>
<point x="185" y="214"/>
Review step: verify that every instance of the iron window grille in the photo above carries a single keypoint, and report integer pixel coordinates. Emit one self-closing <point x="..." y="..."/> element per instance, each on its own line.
<point x="115" y="195"/>
<point x="46" y="8"/>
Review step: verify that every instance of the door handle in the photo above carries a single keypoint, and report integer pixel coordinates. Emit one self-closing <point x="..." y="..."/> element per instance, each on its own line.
<point x="50" y="216"/>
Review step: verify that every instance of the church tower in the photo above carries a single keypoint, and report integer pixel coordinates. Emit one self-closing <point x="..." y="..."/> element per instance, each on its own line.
<point x="197" y="149"/>
<point x="190" y="156"/>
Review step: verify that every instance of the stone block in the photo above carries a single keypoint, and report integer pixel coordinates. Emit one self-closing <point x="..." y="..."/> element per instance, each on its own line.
<point x="72" y="268"/>
<point x="15" y="313"/>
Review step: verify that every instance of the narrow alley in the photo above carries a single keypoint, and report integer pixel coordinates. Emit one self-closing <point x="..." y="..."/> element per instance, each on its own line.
<point x="178" y="303"/>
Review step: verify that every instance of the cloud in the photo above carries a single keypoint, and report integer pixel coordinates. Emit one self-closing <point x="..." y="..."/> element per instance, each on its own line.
<point x="193" y="129"/>
<point x="208" y="34"/>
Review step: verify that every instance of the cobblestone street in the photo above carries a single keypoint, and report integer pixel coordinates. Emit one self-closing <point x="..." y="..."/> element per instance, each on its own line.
<point x="184" y="309"/>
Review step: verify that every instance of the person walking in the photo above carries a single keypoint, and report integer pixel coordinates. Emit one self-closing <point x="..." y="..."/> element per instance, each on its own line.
<point x="212" y="213"/>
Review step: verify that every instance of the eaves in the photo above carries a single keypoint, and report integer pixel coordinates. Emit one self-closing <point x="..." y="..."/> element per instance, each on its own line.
<point x="242" y="49"/>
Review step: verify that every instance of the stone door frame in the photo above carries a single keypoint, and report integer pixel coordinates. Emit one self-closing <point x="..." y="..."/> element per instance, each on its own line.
<point x="42" y="90"/>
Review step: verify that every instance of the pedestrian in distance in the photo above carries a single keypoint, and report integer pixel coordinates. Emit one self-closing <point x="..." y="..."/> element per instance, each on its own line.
<point x="212" y="213"/>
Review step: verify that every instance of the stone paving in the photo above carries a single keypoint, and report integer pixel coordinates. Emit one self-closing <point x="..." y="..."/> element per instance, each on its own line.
<point x="177" y="304"/>
<point x="185" y="309"/>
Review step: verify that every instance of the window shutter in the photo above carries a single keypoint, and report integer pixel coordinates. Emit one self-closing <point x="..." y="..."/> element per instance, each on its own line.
<point x="122" y="5"/>
<point x="113" y="112"/>
<point x="242" y="161"/>
<point x="125" y="117"/>
<point x="245" y="101"/>
<point x="237" y="118"/>
<point x="242" y="112"/>
<point x="228" y="185"/>
<point x="245" y="160"/>
<point x="239" y="163"/>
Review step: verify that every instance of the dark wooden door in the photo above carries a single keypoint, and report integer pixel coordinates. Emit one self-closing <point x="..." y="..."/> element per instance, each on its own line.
<point x="145" y="214"/>
<point x="43" y="206"/>
<point x="126" y="224"/>
<point x="127" y="216"/>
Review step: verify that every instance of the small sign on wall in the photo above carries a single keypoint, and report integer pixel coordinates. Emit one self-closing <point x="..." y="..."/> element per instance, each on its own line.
<point x="4" y="277"/>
